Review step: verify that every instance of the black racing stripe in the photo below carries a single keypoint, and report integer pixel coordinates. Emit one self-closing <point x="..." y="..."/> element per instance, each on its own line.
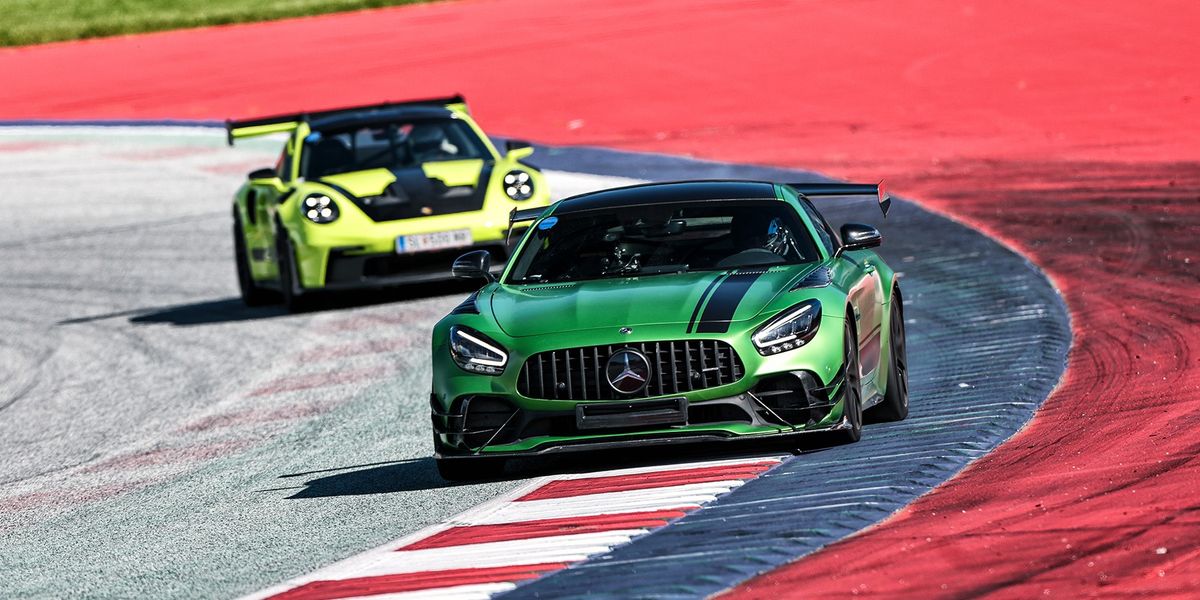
<point x="725" y="300"/>
<point x="703" y="297"/>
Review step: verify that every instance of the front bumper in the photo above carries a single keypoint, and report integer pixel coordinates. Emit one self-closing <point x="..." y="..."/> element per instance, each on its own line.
<point x="349" y="256"/>
<point x="351" y="269"/>
<point x="776" y="405"/>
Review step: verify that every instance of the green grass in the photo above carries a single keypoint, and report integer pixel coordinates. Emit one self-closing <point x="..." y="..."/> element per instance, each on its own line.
<point x="39" y="21"/>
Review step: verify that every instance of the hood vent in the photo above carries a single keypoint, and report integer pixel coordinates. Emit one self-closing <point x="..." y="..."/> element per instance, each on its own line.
<point x="413" y="195"/>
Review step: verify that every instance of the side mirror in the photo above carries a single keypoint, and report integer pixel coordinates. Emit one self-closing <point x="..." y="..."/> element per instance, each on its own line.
<point x="856" y="236"/>
<point x="518" y="149"/>
<point x="263" y="173"/>
<point x="510" y="145"/>
<point x="266" y="176"/>
<point x="477" y="264"/>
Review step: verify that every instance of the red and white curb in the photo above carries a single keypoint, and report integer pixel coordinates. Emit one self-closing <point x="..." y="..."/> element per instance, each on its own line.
<point x="542" y="526"/>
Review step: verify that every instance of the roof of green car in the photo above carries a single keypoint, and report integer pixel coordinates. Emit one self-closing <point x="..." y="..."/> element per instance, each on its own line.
<point x="668" y="193"/>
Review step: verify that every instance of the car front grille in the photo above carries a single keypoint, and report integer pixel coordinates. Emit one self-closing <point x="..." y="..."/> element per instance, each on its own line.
<point x="676" y="367"/>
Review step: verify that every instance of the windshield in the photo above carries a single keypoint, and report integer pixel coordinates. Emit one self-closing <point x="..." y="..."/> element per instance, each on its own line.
<point x="394" y="145"/>
<point x="659" y="239"/>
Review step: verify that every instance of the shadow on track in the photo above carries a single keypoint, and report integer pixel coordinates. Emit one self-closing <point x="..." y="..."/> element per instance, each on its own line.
<point x="230" y="310"/>
<point x="204" y="313"/>
<point x="376" y="478"/>
<point x="605" y="460"/>
<point x="421" y="473"/>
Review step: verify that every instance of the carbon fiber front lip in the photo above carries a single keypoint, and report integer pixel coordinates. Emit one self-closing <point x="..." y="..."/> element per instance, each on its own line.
<point x="635" y="441"/>
<point x="642" y="442"/>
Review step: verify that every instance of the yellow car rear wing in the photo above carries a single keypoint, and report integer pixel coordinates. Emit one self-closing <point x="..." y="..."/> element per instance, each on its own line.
<point x="235" y="130"/>
<point x="244" y="128"/>
<point x="524" y="215"/>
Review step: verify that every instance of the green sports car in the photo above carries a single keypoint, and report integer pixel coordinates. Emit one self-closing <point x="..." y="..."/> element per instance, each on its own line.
<point x="373" y="196"/>
<point x="670" y="313"/>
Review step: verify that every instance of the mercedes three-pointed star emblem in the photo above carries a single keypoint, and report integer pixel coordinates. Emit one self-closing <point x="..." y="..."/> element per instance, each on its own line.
<point x="628" y="371"/>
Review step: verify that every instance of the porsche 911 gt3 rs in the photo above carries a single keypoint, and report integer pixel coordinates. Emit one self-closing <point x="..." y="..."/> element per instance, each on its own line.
<point x="670" y="313"/>
<point x="373" y="196"/>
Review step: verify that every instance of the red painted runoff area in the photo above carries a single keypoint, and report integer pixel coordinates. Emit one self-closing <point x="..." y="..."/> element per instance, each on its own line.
<point x="411" y="582"/>
<point x="524" y="530"/>
<point x="566" y="488"/>
<point x="1067" y="129"/>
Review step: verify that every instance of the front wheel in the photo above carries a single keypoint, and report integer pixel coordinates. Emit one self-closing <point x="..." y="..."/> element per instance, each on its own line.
<point x="895" y="400"/>
<point x="852" y="405"/>
<point x="288" y="274"/>
<point x="252" y="295"/>
<point x="470" y="469"/>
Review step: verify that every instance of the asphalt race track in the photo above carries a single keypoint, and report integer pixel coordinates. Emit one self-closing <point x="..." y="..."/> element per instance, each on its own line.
<point x="1066" y="129"/>
<point x="162" y="440"/>
<point x="152" y="426"/>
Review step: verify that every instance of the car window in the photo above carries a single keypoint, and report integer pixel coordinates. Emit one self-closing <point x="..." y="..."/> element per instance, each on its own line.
<point x="284" y="164"/>
<point x="394" y="145"/>
<point x="824" y="233"/>
<point x="662" y="239"/>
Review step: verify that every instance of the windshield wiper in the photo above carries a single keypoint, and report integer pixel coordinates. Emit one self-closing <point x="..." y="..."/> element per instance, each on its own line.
<point x="663" y="269"/>
<point x="615" y="273"/>
<point x="639" y="271"/>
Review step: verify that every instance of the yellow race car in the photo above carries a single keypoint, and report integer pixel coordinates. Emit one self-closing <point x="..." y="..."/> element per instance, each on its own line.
<point x="374" y="196"/>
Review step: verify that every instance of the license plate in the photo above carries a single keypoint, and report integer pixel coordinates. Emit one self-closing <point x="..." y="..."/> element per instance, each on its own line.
<point x="437" y="240"/>
<point x="636" y="413"/>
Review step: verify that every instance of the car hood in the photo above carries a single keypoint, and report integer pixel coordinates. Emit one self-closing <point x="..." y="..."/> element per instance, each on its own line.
<point x="373" y="182"/>
<point x="706" y="300"/>
<point x="420" y="191"/>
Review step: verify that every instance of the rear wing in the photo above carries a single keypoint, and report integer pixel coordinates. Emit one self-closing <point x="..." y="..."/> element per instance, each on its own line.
<point x="845" y="189"/>
<point x="243" y="128"/>
<point x="524" y="215"/>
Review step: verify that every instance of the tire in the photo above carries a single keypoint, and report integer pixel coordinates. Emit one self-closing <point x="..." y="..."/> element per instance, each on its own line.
<point x="293" y="301"/>
<point x="470" y="469"/>
<point x="252" y="295"/>
<point x="852" y="407"/>
<point x="895" y="399"/>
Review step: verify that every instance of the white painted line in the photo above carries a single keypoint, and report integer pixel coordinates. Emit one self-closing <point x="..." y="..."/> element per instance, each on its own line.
<point x="108" y="131"/>
<point x="680" y="496"/>
<point x="459" y="592"/>
<point x="676" y="467"/>
<point x="556" y="549"/>
<point x="353" y="563"/>
<point x="388" y="559"/>
<point x="567" y="183"/>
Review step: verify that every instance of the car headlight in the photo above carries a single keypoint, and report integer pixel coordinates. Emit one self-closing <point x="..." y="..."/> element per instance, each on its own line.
<point x="319" y="208"/>
<point x="793" y="328"/>
<point x="476" y="352"/>
<point x="518" y="185"/>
